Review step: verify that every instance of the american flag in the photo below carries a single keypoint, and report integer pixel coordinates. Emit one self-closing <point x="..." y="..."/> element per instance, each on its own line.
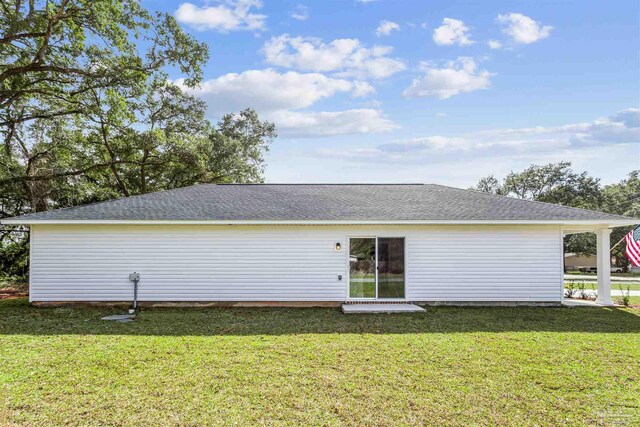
<point x="633" y="246"/>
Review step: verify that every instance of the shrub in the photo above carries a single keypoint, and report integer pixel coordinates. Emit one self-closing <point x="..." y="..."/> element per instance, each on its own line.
<point x="625" y="296"/>
<point x="570" y="291"/>
<point x="582" y="291"/>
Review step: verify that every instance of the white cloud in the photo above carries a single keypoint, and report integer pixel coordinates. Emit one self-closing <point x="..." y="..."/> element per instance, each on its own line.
<point x="344" y="57"/>
<point x="269" y="90"/>
<point x="330" y="123"/>
<point x="571" y="139"/>
<point x="386" y="27"/>
<point x="620" y="128"/>
<point x="629" y="118"/>
<point x="300" y="13"/>
<point x="452" y="31"/>
<point x="459" y="76"/>
<point x="522" y="29"/>
<point x="279" y="96"/>
<point x="429" y="143"/>
<point x="494" y="44"/>
<point x="361" y="88"/>
<point x="229" y="15"/>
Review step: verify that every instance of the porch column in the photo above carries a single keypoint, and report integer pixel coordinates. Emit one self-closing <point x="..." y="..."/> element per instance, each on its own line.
<point x="604" y="266"/>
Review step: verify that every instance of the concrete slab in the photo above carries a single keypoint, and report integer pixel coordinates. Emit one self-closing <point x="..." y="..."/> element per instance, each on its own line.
<point x="381" y="308"/>
<point x="120" y="317"/>
<point x="570" y="302"/>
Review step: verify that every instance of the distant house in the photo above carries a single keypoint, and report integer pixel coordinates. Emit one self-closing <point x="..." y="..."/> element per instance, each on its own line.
<point x="310" y="245"/>
<point x="576" y="262"/>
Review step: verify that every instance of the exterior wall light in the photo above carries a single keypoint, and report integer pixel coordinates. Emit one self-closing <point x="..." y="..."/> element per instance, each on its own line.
<point x="338" y="246"/>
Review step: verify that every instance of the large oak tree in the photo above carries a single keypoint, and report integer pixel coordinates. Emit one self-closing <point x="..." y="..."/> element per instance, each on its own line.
<point x="87" y="112"/>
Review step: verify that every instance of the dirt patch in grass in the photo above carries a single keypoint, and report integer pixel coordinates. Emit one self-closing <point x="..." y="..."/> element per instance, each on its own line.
<point x="10" y="293"/>
<point x="12" y="289"/>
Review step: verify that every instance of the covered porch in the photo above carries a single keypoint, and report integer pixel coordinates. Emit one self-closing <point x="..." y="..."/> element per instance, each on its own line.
<point x="603" y="263"/>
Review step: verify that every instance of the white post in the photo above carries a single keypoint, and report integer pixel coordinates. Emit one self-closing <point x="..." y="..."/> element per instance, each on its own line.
<point x="604" y="266"/>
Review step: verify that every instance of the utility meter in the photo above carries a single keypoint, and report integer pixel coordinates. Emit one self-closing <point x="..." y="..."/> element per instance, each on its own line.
<point x="134" y="277"/>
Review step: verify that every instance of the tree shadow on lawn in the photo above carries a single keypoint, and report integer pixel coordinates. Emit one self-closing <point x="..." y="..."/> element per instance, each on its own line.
<point x="18" y="317"/>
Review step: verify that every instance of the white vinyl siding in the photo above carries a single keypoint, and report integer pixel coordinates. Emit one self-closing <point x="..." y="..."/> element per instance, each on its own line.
<point x="287" y="263"/>
<point x="501" y="265"/>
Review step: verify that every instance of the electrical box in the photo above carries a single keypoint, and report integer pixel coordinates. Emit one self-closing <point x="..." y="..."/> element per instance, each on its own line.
<point x="134" y="277"/>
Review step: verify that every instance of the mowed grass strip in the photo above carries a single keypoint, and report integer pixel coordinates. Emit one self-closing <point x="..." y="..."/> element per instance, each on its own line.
<point x="594" y="285"/>
<point x="240" y="366"/>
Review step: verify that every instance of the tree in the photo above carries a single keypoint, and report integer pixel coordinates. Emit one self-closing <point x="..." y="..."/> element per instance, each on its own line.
<point x="55" y="56"/>
<point x="54" y="52"/>
<point x="552" y="183"/>
<point x="622" y="199"/>
<point x="489" y="184"/>
<point x="87" y="112"/>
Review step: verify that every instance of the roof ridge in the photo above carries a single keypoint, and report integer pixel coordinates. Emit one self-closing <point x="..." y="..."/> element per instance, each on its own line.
<point x="322" y="183"/>
<point x="501" y="196"/>
<point x="322" y="202"/>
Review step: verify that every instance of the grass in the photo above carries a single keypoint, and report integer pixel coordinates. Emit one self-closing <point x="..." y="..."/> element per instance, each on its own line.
<point x="21" y="285"/>
<point x="629" y="274"/>
<point x="614" y="286"/>
<point x="633" y="300"/>
<point x="448" y="366"/>
<point x="364" y="286"/>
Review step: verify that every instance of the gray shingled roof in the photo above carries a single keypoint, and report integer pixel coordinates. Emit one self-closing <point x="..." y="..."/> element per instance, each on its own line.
<point x="320" y="202"/>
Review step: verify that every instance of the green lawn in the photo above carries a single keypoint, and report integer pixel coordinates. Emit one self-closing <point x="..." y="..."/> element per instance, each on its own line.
<point x="632" y="286"/>
<point x="448" y="366"/>
<point x="633" y="300"/>
<point x="612" y="274"/>
<point x="364" y="286"/>
<point x="614" y="286"/>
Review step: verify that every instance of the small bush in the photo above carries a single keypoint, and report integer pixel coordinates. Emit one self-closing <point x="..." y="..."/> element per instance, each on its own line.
<point x="625" y="297"/>
<point x="570" y="291"/>
<point x="582" y="291"/>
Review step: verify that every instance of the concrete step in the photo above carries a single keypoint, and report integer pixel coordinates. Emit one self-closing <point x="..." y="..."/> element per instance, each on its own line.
<point x="380" y="308"/>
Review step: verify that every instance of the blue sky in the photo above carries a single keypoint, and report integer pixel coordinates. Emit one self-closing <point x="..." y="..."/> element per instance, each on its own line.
<point x="417" y="91"/>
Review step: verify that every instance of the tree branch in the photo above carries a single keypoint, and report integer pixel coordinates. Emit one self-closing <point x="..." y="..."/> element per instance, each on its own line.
<point x="18" y="179"/>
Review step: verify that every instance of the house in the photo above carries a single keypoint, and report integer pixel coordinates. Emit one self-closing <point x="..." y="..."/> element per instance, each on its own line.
<point x="310" y="245"/>
<point x="577" y="262"/>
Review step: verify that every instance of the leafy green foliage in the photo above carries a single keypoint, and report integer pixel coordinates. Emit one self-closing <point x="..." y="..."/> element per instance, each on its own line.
<point x="552" y="183"/>
<point x="625" y="298"/>
<point x="87" y="112"/>
<point x="14" y="259"/>
<point x="622" y="198"/>
<point x="54" y="53"/>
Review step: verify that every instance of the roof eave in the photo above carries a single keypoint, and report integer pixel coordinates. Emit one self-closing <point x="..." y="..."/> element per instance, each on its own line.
<point x="591" y="222"/>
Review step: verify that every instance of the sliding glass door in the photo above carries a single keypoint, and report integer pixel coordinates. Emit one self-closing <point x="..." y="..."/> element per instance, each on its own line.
<point x="390" y="267"/>
<point x="362" y="267"/>
<point x="376" y="267"/>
